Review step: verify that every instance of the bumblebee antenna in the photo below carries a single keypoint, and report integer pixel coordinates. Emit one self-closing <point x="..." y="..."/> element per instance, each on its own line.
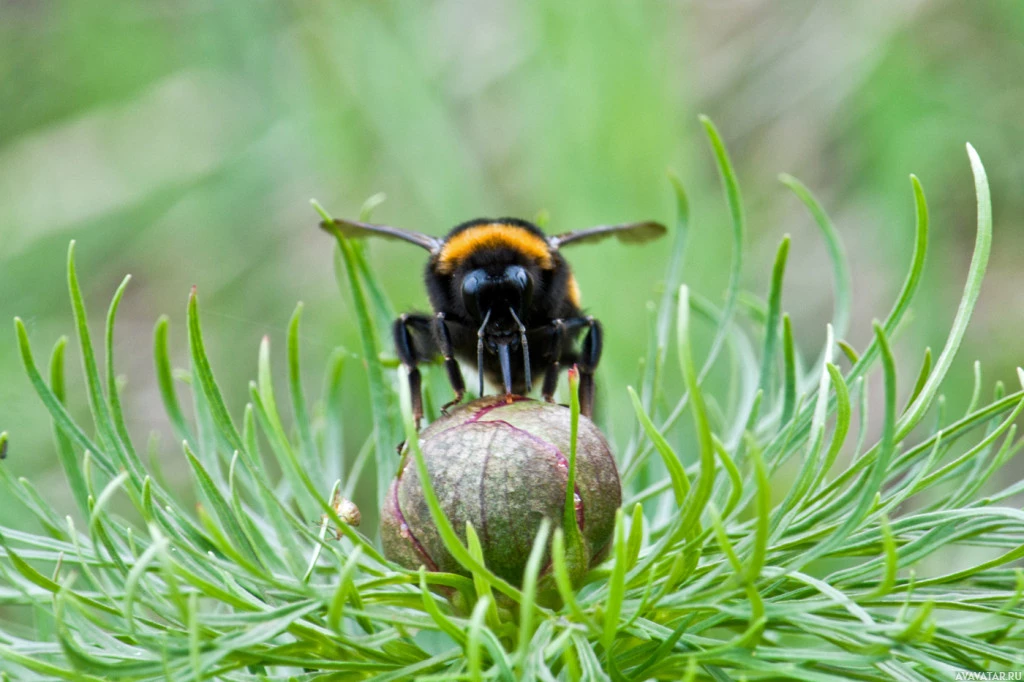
<point x="480" y="352"/>
<point x="526" y="350"/>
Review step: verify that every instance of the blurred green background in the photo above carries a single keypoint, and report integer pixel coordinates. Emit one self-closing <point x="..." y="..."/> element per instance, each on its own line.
<point x="181" y="142"/>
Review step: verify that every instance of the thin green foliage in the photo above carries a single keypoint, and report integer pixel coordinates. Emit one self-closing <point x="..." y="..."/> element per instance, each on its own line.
<point x="836" y="253"/>
<point x="776" y="536"/>
<point x="379" y="399"/>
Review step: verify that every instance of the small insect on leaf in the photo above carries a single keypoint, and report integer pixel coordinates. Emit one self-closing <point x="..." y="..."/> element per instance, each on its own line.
<point x="346" y="510"/>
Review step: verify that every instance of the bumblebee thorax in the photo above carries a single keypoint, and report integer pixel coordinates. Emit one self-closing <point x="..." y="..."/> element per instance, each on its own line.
<point x="483" y="242"/>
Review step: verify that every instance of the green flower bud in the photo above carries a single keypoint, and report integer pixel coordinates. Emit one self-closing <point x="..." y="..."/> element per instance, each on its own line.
<point x="502" y="466"/>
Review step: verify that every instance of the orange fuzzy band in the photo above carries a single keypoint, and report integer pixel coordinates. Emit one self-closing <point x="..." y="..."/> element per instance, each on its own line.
<point x="494" y="235"/>
<point x="573" y="291"/>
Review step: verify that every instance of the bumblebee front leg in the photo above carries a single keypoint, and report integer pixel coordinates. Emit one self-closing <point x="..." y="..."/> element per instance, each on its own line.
<point x="551" y="373"/>
<point x="444" y="344"/>
<point x="587" y="358"/>
<point x="590" y="355"/>
<point x="410" y="355"/>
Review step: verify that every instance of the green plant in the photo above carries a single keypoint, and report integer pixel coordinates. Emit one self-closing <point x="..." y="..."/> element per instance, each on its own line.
<point x="710" y="575"/>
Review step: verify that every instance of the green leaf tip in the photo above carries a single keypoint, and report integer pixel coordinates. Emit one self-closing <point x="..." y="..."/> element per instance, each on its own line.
<point x="679" y="192"/>
<point x="327" y="219"/>
<point x="371" y="204"/>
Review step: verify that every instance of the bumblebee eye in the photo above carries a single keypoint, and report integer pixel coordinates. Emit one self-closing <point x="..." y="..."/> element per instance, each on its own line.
<point x="471" y="285"/>
<point x="518" y="275"/>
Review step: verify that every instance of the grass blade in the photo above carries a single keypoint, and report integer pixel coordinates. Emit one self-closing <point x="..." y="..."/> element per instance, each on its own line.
<point x="386" y="464"/>
<point x="842" y="281"/>
<point x="225" y="428"/>
<point x="301" y="413"/>
<point x="979" y="262"/>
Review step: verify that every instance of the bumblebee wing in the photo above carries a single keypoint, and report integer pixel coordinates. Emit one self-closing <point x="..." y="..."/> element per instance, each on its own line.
<point x="629" y="233"/>
<point x="353" y="229"/>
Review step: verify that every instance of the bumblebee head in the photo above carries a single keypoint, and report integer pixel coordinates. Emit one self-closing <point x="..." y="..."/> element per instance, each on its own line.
<point x="495" y="267"/>
<point x="497" y="290"/>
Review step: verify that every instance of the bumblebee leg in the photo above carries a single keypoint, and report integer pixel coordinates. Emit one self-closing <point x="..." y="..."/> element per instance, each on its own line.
<point x="480" y="351"/>
<point x="525" y="351"/>
<point x="410" y="356"/>
<point x="590" y="355"/>
<point x="444" y="344"/>
<point x="551" y="373"/>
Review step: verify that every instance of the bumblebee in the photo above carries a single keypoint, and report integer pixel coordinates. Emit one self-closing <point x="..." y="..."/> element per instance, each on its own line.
<point x="505" y="298"/>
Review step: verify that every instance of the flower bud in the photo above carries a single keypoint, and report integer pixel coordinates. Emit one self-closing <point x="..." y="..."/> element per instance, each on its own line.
<point x="502" y="466"/>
